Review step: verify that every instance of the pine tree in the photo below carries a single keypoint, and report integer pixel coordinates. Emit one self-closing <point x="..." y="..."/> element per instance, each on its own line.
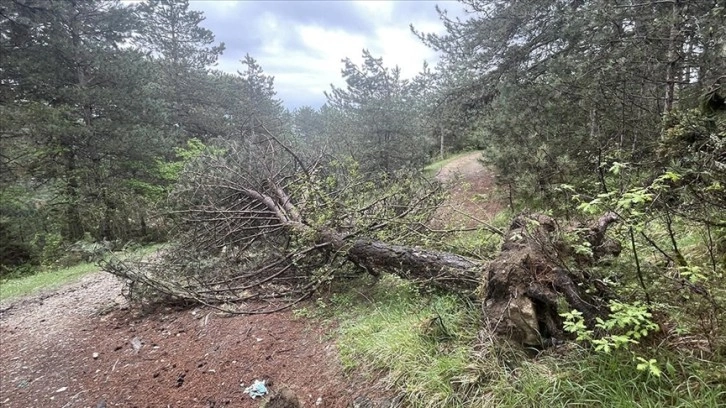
<point x="80" y="110"/>
<point x="380" y="106"/>
<point x="184" y="52"/>
<point x="258" y="108"/>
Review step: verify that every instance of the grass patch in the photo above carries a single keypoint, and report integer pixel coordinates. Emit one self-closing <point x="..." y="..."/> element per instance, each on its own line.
<point x="581" y="379"/>
<point x="423" y="342"/>
<point x="52" y="279"/>
<point x="27" y="285"/>
<point x="436" y="166"/>
<point x="428" y="347"/>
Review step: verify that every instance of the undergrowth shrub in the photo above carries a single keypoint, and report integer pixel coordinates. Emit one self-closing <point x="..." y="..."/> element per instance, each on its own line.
<point x="625" y="326"/>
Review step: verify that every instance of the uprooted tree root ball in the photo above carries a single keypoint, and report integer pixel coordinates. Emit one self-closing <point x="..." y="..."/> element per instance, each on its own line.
<point x="534" y="269"/>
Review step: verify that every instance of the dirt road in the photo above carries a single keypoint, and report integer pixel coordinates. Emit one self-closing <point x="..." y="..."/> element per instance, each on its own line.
<point x="80" y="347"/>
<point x="473" y="196"/>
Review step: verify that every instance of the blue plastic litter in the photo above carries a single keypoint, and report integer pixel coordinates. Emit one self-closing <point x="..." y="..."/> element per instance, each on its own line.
<point x="257" y="389"/>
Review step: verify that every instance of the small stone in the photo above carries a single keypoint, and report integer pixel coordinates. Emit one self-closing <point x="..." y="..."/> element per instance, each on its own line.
<point x="95" y="356"/>
<point x="319" y="401"/>
<point x="61" y="389"/>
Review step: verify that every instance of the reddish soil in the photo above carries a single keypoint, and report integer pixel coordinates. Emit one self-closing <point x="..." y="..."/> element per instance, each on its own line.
<point x="473" y="196"/>
<point x="80" y="347"/>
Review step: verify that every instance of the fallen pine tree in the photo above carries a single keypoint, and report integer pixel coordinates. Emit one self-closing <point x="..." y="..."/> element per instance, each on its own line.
<point x="259" y="223"/>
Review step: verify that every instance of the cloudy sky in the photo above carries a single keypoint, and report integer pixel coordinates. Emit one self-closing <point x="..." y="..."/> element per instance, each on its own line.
<point x="302" y="43"/>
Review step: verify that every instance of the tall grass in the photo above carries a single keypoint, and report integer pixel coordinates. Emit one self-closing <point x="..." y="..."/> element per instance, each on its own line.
<point x="581" y="379"/>
<point x="423" y="342"/>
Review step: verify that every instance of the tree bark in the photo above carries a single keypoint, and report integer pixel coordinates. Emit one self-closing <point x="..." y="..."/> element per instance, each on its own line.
<point x="440" y="269"/>
<point x="74" y="227"/>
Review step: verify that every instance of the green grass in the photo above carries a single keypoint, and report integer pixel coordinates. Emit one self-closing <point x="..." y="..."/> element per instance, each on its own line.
<point x="52" y="279"/>
<point x="428" y="348"/>
<point x="423" y="342"/>
<point x="27" y="285"/>
<point x="436" y="166"/>
<point x="581" y="379"/>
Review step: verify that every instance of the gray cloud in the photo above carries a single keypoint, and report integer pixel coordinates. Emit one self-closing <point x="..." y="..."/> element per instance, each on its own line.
<point x="335" y="14"/>
<point x="301" y="43"/>
<point x="238" y="23"/>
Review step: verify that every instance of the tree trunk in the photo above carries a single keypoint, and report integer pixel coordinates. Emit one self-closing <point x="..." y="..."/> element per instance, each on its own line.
<point x="74" y="226"/>
<point x="440" y="269"/>
<point x="519" y="290"/>
<point x="441" y="142"/>
<point x="673" y="57"/>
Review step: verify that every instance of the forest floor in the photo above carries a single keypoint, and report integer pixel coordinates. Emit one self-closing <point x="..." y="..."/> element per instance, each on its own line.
<point x="82" y="346"/>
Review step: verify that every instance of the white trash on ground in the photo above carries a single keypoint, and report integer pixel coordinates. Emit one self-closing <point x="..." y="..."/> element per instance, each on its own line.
<point x="257" y="389"/>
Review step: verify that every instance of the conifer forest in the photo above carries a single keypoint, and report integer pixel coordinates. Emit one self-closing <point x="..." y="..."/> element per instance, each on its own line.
<point x="581" y="261"/>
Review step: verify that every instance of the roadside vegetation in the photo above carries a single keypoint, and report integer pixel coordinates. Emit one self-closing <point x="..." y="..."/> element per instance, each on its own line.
<point x="601" y="283"/>
<point x="431" y="350"/>
<point x="24" y="283"/>
<point x="15" y="287"/>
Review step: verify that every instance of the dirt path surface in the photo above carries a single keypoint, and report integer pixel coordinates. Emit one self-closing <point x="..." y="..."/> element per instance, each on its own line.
<point x="81" y="347"/>
<point x="473" y="193"/>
